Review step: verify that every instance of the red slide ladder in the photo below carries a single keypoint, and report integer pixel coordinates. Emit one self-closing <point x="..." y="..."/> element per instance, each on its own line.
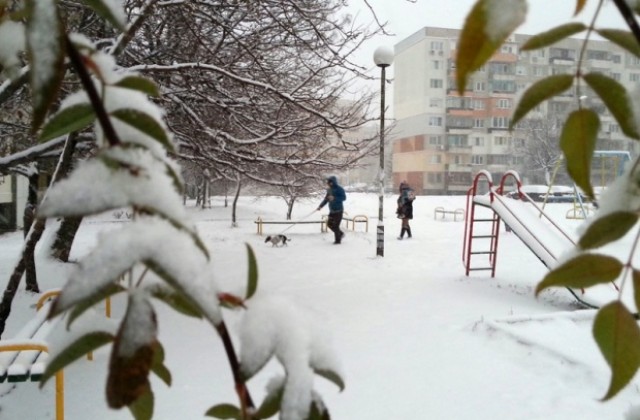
<point x="475" y="244"/>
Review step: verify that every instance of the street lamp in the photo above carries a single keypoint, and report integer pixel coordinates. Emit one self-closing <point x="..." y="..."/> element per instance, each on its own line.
<point x="383" y="57"/>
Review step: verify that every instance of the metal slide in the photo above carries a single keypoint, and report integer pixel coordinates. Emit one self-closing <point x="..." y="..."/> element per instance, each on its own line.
<point x="546" y="239"/>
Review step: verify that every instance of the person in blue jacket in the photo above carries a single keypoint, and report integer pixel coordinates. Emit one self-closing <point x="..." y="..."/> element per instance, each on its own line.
<point x="335" y="197"/>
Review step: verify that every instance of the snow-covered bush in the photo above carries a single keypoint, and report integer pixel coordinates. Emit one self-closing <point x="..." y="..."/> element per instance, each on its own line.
<point x="158" y="255"/>
<point x="488" y="25"/>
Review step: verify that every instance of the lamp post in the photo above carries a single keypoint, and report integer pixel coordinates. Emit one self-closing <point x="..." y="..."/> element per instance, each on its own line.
<point x="383" y="57"/>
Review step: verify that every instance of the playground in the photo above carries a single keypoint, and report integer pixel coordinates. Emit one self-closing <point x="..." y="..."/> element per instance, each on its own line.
<point x="416" y="336"/>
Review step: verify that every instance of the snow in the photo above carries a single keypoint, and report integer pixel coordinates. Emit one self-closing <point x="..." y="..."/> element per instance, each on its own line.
<point x="9" y="50"/>
<point x="415" y="337"/>
<point x="502" y="17"/>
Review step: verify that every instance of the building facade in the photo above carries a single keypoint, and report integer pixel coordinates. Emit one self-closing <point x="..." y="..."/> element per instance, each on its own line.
<point x="442" y="139"/>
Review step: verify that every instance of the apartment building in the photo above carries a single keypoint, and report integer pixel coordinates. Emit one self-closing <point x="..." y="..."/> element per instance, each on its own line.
<point x="442" y="139"/>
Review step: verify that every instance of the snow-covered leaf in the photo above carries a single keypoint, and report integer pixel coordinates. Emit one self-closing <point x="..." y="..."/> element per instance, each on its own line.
<point x="271" y="403"/>
<point x="582" y="271"/>
<point x="617" y="100"/>
<point x="578" y="141"/>
<point x="252" y="278"/>
<point x="623" y="39"/>
<point x="139" y="83"/>
<point x="486" y="27"/>
<point x="142" y="408"/>
<point x="110" y="11"/>
<point x="158" y="367"/>
<point x="73" y="118"/>
<point x="132" y="353"/>
<point x="144" y="123"/>
<point x="74" y="351"/>
<point x="552" y="36"/>
<point x="608" y="228"/>
<point x="224" y="411"/>
<point x="97" y="295"/>
<point x="618" y="336"/>
<point x="152" y="241"/>
<point x="318" y="412"/>
<point x="46" y="51"/>
<point x="539" y="92"/>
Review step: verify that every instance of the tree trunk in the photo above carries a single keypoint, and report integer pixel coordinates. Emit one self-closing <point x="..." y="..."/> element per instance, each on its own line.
<point x="234" y="221"/>
<point x="34" y="235"/>
<point x="61" y="247"/>
<point x="290" y="204"/>
<point x="14" y="281"/>
<point x="29" y="215"/>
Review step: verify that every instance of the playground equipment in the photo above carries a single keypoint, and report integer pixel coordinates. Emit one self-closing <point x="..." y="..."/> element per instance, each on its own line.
<point x="545" y="238"/>
<point x="611" y="163"/>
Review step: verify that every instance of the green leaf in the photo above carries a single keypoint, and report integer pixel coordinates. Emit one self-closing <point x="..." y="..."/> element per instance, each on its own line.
<point x="623" y="39"/>
<point x="480" y="37"/>
<point x="578" y="141"/>
<point x="74" y="351"/>
<point x="139" y="83"/>
<point x="539" y="92"/>
<point x="73" y="118"/>
<point x="104" y="11"/>
<point x="583" y="271"/>
<point x="144" y="123"/>
<point x="252" y="280"/>
<point x="98" y="295"/>
<point x="618" y="336"/>
<point x="46" y="52"/>
<point x="636" y="288"/>
<point x="617" y="101"/>
<point x="552" y="36"/>
<point x="607" y="229"/>
<point x="331" y="376"/>
<point x="224" y="411"/>
<point x="158" y="367"/>
<point x="317" y="412"/>
<point x="174" y="299"/>
<point x="142" y="407"/>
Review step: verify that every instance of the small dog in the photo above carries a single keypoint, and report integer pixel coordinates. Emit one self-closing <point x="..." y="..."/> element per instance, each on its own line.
<point x="277" y="240"/>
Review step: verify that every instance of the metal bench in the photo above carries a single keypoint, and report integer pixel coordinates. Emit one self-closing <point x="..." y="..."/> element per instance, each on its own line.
<point x="443" y="212"/>
<point x="323" y="223"/>
<point x="24" y="357"/>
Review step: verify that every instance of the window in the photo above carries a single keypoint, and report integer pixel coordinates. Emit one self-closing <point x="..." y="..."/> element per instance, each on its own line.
<point x="480" y="87"/>
<point x="478" y="141"/>
<point x="501" y="141"/>
<point x="457" y="159"/>
<point x="507" y="86"/>
<point x="435" y="121"/>
<point x="477" y="160"/>
<point x="614" y="128"/>
<point x="478" y="104"/>
<point x="437" y="45"/>
<point x="478" y="123"/>
<point x="504" y="103"/>
<point x="539" y="71"/>
<point x="435" y="103"/>
<point x="499" y="159"/>
<point x="616" y="58"/>
<point x="521" y="70"/>
<point x="518" y="143"/>
<point x="435" y="64"/>
<point x="436" y="83"/>
<point x="435" y="140"/>
<point x="500" y="122"/>
<point x="633" y="60"/>
<point x="457" y="140"/>
<point x="435" y="159"/>
<point x="634" y="77"/>
<point x="616" y="76"/>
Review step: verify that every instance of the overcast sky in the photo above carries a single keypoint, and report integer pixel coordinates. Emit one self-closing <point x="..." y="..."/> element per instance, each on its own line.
<point x="405" y="18"/>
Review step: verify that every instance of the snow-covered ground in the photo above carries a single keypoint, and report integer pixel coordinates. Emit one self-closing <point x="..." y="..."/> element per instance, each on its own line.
<point x="417" y="339"/>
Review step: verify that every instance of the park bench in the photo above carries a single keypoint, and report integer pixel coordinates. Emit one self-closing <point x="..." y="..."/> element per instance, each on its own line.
<point x="323" y="223"/>
<point x="24" y="357"/>
<point x="442" y="211"/>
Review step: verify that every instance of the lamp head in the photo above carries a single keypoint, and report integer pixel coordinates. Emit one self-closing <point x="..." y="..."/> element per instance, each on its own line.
<point x="383" y="56"/>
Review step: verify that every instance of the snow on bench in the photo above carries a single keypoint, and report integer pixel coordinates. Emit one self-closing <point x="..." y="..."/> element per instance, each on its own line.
<point x="443" y="212"/>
